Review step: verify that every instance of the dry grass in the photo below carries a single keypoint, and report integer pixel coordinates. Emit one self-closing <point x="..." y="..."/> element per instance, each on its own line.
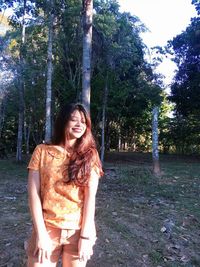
<point x="141" y="220"/>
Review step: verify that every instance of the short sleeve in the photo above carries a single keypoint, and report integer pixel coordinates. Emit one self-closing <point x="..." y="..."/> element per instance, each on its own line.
<point x="96" y="170"/>
<point x="94" y="177"/>
<point x="34" y="163"/>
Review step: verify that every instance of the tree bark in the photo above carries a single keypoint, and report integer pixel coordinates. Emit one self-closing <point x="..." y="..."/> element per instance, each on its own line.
<point x="119" y="140"/>
<point x="155" y="150"/>
<point x="2" y="112"/>
<point x="21" y="90"/>
<point x="20" y="122"/>
<point x="27" y="130"/>
<point x="105" y="97"/>
<point x="48" y="121"/>
<point x="87" y="47"/>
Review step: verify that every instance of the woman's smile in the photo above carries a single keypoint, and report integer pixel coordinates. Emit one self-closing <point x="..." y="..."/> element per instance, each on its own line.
<point x="76" y="126"/>
<point x="78" y="130"/>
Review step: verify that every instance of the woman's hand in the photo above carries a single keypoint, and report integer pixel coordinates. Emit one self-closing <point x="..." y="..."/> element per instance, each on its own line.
<point x="85" y="249"/>
<point x="88" y="228"/>
<point x="43" y="242"/>
<point x="43" y="247"/>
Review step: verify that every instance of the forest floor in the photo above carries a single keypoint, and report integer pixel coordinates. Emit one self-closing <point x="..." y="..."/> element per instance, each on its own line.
<point x="142" y="220"/>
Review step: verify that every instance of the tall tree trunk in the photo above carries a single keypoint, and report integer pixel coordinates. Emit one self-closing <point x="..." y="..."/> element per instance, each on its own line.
<point x="21" y="90"/>
<point x="87" y="47"/>
<point x="2" y="112"/>
<point x="20" y="121"/>
<point x="27" y="130"/>
<point x="119" y="140"/>
<point x="155" y="150"/>
<point x="105" y="97"/>
<point x="48" y="121"/>
<point x="28" y="138"/>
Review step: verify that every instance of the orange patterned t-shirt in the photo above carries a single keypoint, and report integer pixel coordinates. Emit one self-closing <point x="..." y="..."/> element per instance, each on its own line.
<point x="62" y="203"/>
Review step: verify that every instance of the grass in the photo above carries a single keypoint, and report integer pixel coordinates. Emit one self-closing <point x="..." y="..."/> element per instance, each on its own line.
<point x="143" y="203"/>
<point x="132" y="208"/>
<point x="10" y="167"/>
<point x="156" y="257"/>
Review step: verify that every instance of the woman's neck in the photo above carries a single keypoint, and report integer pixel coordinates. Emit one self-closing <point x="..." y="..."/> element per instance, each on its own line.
<point x="69" y="145"/>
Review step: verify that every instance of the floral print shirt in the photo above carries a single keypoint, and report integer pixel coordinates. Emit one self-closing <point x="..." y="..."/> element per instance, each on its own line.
<point x="62" y="202"/>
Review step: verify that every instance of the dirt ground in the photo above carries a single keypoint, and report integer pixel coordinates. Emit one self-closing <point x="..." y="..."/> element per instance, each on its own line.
<point x="142" y="220"/>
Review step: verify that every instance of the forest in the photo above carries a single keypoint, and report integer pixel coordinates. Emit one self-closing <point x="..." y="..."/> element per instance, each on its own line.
<point x="54" y="52"/>
<point x="58" y="51"/>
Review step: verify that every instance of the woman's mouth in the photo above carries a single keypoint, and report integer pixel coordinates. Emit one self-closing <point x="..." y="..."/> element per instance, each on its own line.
<point x="77" y="130"/>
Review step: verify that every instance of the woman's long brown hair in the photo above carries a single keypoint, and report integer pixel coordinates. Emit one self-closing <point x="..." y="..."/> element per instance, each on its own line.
<point x="85" y="155"/>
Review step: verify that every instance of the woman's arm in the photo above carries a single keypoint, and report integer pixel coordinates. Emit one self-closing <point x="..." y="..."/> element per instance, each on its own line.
<point x="43" y="242"/>
<point x="88" y="230"/>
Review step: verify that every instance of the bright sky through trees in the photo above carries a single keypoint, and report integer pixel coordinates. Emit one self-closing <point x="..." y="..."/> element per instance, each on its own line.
<point x="164" y="19"/>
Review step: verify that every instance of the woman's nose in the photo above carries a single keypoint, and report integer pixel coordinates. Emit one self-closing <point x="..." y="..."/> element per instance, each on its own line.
<point x="78" y="122"/>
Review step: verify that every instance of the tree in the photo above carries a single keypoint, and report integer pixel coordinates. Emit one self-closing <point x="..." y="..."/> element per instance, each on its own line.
<point x="196" y="3"/>
<point x="122" y="95"/>
<point x="87" y="47"/>
<point x="104" y="106"/>
<point x="185" y="90"/>
<point x="155" y="151"/>
<point x="118" y="51"/>
<point x="21" y="87"/>
<point x="48" y="120"/>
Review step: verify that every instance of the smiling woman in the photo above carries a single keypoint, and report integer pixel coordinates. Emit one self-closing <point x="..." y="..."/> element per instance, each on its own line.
<point x="62" y="185"/>
<point x="75" y="127"/>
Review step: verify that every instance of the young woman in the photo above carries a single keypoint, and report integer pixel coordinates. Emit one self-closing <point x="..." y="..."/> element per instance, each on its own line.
<point x="62" y="185"/>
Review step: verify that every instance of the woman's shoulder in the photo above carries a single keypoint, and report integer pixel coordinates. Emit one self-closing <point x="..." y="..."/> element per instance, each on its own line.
<point x="49" y="150"/>
<point x="49" y="146"/>
<point x="41" y="146"/>
<point x="53" y="150"/>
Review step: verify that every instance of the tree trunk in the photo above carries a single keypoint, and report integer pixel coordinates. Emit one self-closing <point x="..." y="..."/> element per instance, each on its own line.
<point x="20" y="122"/>
<point x="2" y="112"/>
<point x="87" y="47"/>
<point x="27" y="130"/>
<point x="105" y="97"/>
<point x="21" y="91"/>
<point x="48" y="121"/>
<point x="119" y="140"/>
<point x="155" y="150"/>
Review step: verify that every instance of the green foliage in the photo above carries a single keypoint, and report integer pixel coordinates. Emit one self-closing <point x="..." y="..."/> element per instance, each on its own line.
<point x="131" y="95"/>
<point x="117" y="53"/>
<point x="185" y="91"/>
<point x="196" y="3"/>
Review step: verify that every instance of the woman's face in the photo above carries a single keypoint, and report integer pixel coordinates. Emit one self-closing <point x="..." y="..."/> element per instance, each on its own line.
<point x="76" y="125"/>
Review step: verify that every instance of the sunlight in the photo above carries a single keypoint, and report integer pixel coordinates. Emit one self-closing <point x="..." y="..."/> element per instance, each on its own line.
<point x="165" y="20"/>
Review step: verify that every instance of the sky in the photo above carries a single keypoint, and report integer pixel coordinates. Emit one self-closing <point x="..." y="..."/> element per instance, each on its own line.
<point x="165" y="19"/>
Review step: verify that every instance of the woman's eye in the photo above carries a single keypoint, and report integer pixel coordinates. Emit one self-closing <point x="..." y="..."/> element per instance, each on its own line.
<point x="75" y="120"/>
